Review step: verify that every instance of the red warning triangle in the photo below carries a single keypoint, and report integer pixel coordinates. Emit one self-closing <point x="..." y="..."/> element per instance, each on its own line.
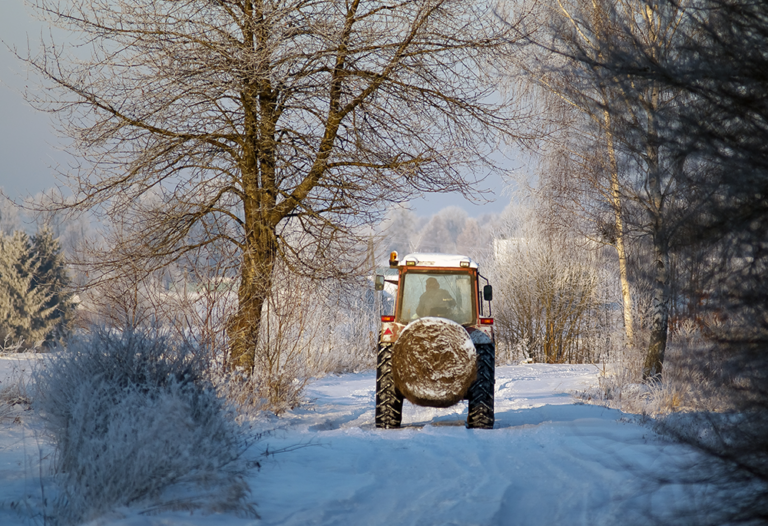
<point x="387" y="332"/>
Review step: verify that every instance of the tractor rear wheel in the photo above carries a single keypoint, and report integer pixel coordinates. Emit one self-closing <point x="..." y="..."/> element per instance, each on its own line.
<point x="480" y="414"/>
<point x="389" y="401"/>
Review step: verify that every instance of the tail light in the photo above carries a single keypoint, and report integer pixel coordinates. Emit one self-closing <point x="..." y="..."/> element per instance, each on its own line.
<point x="387" y="319"/>
<point x="483" y="321"/>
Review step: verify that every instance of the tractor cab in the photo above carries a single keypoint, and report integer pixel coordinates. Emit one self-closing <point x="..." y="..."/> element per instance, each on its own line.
<point x="436" y="285"/>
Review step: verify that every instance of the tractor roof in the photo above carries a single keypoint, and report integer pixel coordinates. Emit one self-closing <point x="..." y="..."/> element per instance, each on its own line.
<point x="423" y="259"/>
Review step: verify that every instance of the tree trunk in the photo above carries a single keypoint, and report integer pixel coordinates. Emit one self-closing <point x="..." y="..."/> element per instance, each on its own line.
<point x="255" y="286"/>
<point x="626" y="296"/>
<point x="659" y="324"/>
<point x="654" y="359"/>
<point x="259" y="197"/>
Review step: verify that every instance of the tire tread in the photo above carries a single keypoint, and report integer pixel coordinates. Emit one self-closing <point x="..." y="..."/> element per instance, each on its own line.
<point x="389" y="402"/>
<point x="480" y="414"/>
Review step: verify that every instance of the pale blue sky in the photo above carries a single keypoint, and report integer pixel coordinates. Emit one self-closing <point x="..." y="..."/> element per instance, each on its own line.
<point x="30" y="152"/>
<point x="28" y="147"/>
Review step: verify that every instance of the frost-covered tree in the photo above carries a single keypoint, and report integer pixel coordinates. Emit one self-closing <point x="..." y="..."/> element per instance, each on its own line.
<point x="9" y="216"/>
<point x="579" y="171"/>
<point x="476" y="239"/>
<point x="34" y="307"/>
<point x="400" y="230"/>
<point x="635" y="186"/>
<point x="22" y="306"/>
<point x="448" y="231"/>
<point x="277" y="127"/>
<point x="443" y="229"/>
<point x="553" y="297"/>
<point x="721" y="142"/>
<point x="52" y="276"/>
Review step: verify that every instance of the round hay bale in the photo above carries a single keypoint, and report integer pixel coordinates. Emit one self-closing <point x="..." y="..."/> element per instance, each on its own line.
<point x="434" y="362"/>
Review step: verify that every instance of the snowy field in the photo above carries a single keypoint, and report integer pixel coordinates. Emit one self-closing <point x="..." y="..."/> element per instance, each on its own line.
<point x="548" y="461"/>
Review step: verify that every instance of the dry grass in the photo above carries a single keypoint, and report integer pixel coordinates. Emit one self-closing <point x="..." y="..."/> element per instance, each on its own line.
<point x="15" y="395"/>
<point x="684" y="385"/>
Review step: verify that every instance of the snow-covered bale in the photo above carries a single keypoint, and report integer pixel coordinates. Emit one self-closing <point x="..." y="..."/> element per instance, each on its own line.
<point x="434" y="362"/>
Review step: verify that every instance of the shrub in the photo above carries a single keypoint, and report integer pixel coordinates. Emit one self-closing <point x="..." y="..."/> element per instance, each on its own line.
<point x="131" y="414"/>
<point x="15" y="395"/>
<point x="555" y="299"/>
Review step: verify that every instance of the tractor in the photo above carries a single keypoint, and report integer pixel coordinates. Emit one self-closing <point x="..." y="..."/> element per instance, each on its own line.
<point x="436" y="345"/>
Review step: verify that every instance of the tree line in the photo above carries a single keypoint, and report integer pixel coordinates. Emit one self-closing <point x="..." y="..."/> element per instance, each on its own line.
<point x="659" y="118"/>
<point x="654" y="119"/>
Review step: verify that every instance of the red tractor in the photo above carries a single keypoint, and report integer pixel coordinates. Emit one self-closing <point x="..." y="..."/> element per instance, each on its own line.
<point x="438" y="346"/>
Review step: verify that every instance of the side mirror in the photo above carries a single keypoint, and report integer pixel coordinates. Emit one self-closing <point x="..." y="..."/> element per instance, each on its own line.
<point x="487" y="293"/>
<point x="378" y="283"/>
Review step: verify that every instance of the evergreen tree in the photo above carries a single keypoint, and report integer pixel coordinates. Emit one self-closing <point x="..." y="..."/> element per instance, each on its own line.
<point x="52" y="276"/>
<point x="34" y="309"/>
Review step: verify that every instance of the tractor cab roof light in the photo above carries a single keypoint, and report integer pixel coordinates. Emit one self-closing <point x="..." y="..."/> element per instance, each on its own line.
<point x="393" y="260"/>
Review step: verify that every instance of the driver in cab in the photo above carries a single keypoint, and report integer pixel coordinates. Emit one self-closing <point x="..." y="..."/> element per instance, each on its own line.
<point x="435" y="301"/>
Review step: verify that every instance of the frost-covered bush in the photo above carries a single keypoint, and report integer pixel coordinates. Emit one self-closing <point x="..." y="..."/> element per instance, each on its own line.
<point x="555" y="299"/>
<point x="131" y="414"/>
<point x="689" y="380"/>
<point x="309" y="327"/>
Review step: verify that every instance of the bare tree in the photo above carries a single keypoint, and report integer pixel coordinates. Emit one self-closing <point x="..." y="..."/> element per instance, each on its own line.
<point x="646" y="188"/>
<point x="275" y="126"/>
<point x="579" y="175"/>
<point x="553" y="292"/>
<point x="723" y="136"/>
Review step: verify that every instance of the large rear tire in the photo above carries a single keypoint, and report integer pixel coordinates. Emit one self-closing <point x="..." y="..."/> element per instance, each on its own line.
<point x="480" y="414"/>
<point x="389" y="401"/>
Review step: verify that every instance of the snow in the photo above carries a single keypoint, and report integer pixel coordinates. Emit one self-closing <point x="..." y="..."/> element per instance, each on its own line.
<point x="21" y="446"/>
<point x="437" y="260"/>
<point x="549" y="460"/>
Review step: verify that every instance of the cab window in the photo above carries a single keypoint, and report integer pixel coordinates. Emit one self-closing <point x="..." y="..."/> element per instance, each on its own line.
<point x="437" y="294"/>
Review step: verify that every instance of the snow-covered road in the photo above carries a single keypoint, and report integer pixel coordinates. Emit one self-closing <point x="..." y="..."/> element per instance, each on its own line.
<point x="548" y="461"/>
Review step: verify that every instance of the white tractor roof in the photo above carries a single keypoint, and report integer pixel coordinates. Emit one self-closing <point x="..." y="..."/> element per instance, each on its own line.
<point x="423" y="259"/>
